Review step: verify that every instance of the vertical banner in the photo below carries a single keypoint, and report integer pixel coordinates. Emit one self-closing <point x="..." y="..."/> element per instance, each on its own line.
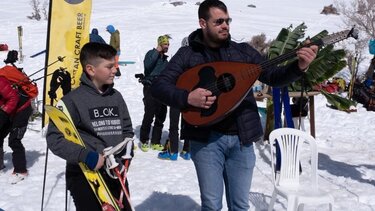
<point x="68" y="31"/>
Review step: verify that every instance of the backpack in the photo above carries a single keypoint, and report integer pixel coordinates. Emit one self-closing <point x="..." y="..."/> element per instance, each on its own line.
<point x="12" y="57"/>
<point x="20" y="80"/>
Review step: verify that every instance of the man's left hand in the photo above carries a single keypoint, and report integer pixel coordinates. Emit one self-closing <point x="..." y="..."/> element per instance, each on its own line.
<point x="306" y="55"/>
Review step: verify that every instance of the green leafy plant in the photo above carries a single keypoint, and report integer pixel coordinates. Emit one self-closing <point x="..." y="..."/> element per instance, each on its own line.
<point x="328" y="62"/>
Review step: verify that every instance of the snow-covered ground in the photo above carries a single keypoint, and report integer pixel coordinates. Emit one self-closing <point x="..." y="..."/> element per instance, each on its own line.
<point x="345" y="141"/>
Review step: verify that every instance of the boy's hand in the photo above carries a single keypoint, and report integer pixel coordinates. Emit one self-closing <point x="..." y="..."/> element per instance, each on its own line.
<point x="94" y="160"/>
<point x="100" y="162"/>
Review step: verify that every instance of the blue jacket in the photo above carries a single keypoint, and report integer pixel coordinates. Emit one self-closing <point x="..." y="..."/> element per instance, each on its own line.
<point x="246" y="114"/>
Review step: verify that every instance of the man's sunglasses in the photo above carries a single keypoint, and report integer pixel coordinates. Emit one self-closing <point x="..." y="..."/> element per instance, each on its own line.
<point x="220" y="21"/>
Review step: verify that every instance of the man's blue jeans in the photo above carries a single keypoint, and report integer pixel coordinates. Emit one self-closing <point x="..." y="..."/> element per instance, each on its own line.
<point x="223" y="158"/>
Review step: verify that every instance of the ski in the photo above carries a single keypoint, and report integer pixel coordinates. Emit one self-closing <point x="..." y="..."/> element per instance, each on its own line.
<point x="64" y="123"/>
<point x="124" y="63"/>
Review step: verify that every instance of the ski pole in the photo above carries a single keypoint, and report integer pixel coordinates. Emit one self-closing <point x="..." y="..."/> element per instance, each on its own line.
<point x="127" y="156"/>
<point x="59" y="59"/>
<point x="37" y="79"/>
<point x="113" y="166"/>
<point x="45" y="176"/>
<point x="124" y="176"/>
<point x="120" y="178"/>
<point x="44" y="179"/>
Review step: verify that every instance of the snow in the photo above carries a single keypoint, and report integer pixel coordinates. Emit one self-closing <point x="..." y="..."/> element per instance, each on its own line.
<point x="345" y="141"/>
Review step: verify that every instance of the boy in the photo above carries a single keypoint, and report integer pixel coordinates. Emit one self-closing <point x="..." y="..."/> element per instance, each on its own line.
<point x="94" y="101"/>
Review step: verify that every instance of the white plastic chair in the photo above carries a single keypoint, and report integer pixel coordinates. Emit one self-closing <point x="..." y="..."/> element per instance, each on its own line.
<point x="287" y="180"/>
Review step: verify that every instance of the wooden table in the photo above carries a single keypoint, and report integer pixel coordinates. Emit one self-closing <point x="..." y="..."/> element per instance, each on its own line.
<point x="310" y="95"/>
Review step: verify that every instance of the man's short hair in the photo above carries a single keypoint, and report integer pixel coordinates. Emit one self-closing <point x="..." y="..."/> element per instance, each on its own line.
<point x="204" y="8"/>
<point x="92" y="50"/>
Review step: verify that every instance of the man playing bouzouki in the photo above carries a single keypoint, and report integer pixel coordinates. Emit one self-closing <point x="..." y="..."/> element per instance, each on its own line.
<point x="222" y="152"/>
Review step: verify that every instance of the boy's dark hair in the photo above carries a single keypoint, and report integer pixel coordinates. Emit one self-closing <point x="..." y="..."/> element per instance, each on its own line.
<point x="92" y="50"/>
<point x="204" y="8"/>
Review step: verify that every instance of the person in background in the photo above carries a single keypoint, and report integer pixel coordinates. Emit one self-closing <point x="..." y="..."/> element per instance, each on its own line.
<point x="170" y="150"/>
<point x="154" y="62"/>
<point x="223" y="152"/>
<point x="16" y="124"/>
<point x="8" y="106"/>
<point x="95" y="37"/>
<point x="299" y="109"/>
<point x="94" y="96"/>
<point x="115" y="43"/>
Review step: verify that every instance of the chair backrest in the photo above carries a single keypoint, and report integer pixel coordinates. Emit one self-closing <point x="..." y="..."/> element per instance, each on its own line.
<point x="290" y="142"/>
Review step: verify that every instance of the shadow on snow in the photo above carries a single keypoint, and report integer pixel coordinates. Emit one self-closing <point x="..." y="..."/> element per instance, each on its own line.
<point x="165" y="201"/>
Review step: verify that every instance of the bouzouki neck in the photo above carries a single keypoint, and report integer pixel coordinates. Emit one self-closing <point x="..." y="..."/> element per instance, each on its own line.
<point x="327" y="40"/>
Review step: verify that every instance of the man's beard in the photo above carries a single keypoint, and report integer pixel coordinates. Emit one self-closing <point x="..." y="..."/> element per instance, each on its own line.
<point x="215" y="38"/>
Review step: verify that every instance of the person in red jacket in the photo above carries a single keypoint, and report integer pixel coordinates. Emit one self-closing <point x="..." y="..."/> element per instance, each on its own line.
<point x="15" y="126"/>
<point x="8" y="106"/>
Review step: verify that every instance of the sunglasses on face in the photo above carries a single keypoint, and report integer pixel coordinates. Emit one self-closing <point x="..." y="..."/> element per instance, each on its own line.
<point x="220" y="21"/>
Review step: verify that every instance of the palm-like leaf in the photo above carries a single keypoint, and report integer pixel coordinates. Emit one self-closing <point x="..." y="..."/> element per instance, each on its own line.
<point x="286" y="41"/>
<point x="327" y="63"/>
<point x="340" y="103"/>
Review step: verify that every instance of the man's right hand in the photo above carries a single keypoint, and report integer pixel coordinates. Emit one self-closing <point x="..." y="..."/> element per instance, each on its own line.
<point x="201" y="98"/>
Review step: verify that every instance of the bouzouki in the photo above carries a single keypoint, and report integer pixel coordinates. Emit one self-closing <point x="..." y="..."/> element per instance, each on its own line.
<point x="230" y="82"/>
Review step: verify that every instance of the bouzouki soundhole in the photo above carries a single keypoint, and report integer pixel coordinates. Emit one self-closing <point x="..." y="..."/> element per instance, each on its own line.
<point x="217" y="85"/>
<point x="225" y="82"/>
